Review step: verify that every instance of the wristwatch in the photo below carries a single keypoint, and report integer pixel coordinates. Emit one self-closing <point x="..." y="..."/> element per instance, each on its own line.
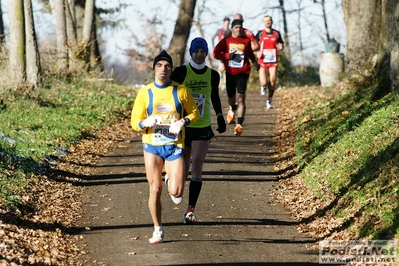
<point x="186" y="121"/>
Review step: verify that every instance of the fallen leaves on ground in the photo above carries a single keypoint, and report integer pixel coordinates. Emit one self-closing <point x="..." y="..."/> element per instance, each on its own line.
<point x="292" y="192"/>
<point x="42" y="230"/>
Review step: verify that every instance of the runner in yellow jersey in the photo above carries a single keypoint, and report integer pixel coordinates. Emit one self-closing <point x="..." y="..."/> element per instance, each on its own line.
<point x="161" y="111"/>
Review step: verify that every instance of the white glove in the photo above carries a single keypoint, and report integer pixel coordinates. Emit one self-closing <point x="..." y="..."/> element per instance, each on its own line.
<point x="149" y="121"/>
<point x="175" y="127"/>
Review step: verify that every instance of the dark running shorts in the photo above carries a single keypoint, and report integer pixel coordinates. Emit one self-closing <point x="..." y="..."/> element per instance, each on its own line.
<point x="236" y="83"/>
<point x="203" y="133"/>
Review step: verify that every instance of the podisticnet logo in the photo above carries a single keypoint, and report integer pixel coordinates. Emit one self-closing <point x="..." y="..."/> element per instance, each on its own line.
<point x="359" y="252"/>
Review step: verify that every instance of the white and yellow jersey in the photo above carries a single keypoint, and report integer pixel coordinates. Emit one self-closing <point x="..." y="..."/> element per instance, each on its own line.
<point x="167" y="103"/>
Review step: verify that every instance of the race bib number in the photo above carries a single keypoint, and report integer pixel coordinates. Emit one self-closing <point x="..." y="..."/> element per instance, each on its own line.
<point x="200" y="100"/>
<point x="161" y="134"/>
<point x="237" y="61"/>
<point x="269" y="56"/>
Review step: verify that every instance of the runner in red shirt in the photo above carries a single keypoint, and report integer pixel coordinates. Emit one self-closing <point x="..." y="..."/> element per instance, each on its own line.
<point x="271" y="43"/>
<point x="248" y="33"/>
<point x="236" y="53"/>
<point x="245" y="33"/>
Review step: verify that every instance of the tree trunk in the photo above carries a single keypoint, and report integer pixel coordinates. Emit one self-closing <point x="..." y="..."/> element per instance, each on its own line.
<point x="17" y="42"/>
<point x="87" y="30"/>
<point x="372" y="34"/>
<point x="178" y="44"/>
<point x="2" y="38"/>
<point x="58" y="11"/>
<point x="323" y="7"/>
<point x="286" y="38"/>
<point x="79" y="16"/>
<point x="33" y="67"/>
<point x="95" y="54"/>
<point x="71" y="21"/>
<point x="387" y="68"/>
<point x="300" y="39"/>
<point x="363" y="25"/>
<point x="71" y="34"/>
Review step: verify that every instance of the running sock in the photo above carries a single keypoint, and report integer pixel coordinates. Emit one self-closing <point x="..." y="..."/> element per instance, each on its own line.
<point x="234" y="108"/>
<point x="157" y="228"/>
<point x="240" y="120"/>
<point x="194" y="191"/>
<point x="271" y="92"/>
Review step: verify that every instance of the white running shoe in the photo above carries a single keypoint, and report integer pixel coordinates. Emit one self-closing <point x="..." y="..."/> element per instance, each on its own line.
<point x="262" y="91"/>
<point x="166" y="180"/>
<point x="157" y="237"/>
<point x="269" y="105"/>
<point x="174" y="199"/>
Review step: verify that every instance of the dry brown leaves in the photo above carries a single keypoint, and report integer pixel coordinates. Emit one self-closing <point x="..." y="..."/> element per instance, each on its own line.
<point x="292" y="192"/>
<point x="41" y="230"/>
<point x="38" y="233"/>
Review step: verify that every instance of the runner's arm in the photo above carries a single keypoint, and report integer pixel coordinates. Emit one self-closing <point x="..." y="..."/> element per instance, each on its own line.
<point x="215" y="36"/>
<point x="219" y="52"/>
<point x="252" y="38"/>
<point x="215" y="98"/>
<point x="280" y="41"/>
<point x="139" y="110"/>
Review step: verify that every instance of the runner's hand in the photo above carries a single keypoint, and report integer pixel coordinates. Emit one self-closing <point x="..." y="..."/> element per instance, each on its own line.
<point x="149" y="121"/>
<point x="221" y="124"/>
<point x="256" y="65"/>
<point x="176" y="127"/>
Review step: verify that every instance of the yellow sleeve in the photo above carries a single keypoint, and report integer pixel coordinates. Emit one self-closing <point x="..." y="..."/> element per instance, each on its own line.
<point x="139" y="111"/>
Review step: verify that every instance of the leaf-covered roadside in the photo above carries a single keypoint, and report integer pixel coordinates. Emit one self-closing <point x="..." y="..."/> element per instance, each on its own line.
<point x="350" y="189"/>
<point x="39" y="232"/>
<point x="292" y="191"/>
<point x="40" y="207"/>
<point x="42" y="231"/>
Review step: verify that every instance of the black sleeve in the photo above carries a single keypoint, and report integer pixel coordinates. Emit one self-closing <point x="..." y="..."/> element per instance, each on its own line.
<point x="215" y="79"/>
<point x="279" y="40"/>
<point x="179" y="74"/>
<point x="258" y="35"/>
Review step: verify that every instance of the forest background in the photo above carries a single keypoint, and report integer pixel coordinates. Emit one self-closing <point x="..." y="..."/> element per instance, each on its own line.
<point x="125" y="28"/>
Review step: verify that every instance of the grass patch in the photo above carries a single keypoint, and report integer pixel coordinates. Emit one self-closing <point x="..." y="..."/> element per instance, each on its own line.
<point x="38" y="123"/>
<point x="348" y="151"/>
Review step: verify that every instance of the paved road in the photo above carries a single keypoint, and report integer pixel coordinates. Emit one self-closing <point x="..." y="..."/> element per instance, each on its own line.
<point x="240" y="223"/>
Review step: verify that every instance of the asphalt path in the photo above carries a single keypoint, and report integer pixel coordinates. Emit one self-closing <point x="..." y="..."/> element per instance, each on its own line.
<point x="239" y="220"/>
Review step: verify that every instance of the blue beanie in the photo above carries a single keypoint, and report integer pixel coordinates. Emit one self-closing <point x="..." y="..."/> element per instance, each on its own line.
<point x="198" y="43"/>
